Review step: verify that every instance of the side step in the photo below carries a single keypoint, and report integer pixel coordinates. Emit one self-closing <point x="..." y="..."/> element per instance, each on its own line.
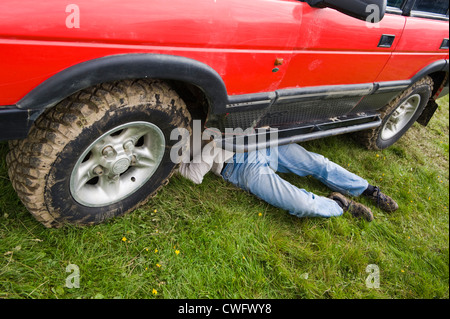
<point x="261" y="138"/>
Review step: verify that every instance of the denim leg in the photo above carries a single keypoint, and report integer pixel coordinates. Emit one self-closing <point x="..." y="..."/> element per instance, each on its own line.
<point x="293" y="158"/>
<point x="259" y="179"/>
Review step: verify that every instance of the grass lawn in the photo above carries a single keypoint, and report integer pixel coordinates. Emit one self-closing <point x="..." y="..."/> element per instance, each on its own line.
<point x="216" y="241"/>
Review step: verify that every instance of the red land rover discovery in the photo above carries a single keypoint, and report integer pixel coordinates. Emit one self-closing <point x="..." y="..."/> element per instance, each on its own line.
<point x="90" y="92"/>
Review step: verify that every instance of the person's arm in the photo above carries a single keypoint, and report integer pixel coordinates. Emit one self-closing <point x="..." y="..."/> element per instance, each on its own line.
<point x="195" y="171"/>
<point x="200" y="165"/>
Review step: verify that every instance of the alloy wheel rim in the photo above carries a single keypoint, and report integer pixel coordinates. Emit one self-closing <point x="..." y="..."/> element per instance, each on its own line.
<point x="400" y="117"/>
<point x="117" y="164"/>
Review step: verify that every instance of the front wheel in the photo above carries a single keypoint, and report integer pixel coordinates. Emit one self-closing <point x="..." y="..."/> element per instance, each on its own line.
<point x="399" y="115"/>
<point x="98" y="154"/>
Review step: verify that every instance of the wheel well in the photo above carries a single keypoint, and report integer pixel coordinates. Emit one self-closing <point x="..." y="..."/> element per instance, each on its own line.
<point x="438" y="79"/>
<point x="196" y="101"/>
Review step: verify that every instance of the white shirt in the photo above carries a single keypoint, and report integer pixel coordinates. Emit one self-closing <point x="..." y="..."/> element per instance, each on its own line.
<point x="211" y="158"/>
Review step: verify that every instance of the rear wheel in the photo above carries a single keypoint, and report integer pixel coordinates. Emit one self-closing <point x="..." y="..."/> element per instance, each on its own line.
<point x="98" y="154"/>
<point x="398" y="116"/>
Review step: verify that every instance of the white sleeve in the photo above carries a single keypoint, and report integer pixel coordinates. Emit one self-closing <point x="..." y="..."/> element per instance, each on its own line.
<point x="211" y="158"/>
<point x="197" y="168"/>
<point x="194" y="171"/>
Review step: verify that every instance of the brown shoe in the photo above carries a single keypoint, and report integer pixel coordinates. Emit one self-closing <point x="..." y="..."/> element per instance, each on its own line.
<point x="382" y="200"/>
<point x="356" y="209"/>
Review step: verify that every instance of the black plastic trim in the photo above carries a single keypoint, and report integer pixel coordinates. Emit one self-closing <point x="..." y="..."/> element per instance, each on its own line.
<point x="386" y="41"/>
<point x="441" y="65"/>
<point x="392" y="86"/>
<point x="324" y="92"/>
<point x="14" y="123"/>
<point x="128" y="66"/>
<point x="407" y="7"/>
<point x="250" y="101"/>
<point x="445" y="44"/>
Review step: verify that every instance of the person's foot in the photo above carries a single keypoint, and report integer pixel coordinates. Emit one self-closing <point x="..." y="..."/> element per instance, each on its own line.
<point x="356" y="209"/>
<point x="382" y="200"/>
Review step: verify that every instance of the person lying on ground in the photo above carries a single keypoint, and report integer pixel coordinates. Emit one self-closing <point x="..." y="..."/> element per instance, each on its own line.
<point x="255" y="172"/>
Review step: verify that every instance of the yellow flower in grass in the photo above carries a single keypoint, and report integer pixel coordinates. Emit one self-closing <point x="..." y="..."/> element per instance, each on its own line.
<point x="124" y="239"/>
<point x="155" y="292"/>
<point x="158" y="265"/>
<point x="177" y="251"/>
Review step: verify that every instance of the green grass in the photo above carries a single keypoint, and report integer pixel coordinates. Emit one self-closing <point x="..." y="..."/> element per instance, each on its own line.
<point x="232" y="245"/>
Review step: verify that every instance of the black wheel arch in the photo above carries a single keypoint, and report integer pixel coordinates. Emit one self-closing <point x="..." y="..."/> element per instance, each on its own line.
<point x="125" y="67"/>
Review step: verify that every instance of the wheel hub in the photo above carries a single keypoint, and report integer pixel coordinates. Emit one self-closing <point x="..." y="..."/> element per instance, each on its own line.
<point x="120" y="166"/>
<point x="115" y="160"/>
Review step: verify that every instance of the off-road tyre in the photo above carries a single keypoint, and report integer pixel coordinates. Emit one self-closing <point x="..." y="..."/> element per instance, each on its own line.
<point x="40" y="166"/>
<point x="372" y="139"/>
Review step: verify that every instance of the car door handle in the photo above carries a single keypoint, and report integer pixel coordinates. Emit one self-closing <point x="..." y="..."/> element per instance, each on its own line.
<point x="386" y="41"/>
<point x="445" y="45"/>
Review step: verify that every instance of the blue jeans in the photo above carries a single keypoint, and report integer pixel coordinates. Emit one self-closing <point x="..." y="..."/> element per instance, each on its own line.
<point x="255" y="172"/>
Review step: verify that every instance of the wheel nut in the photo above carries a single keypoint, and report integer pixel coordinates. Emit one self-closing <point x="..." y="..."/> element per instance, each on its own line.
<point x="128" y="146"/>
<point x="108" y="152"/>
<point x="98" y="170"/>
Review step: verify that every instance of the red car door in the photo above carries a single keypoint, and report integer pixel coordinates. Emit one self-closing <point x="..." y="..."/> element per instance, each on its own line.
<point x="424" y="41"/>
<point x="336" y="49"/>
